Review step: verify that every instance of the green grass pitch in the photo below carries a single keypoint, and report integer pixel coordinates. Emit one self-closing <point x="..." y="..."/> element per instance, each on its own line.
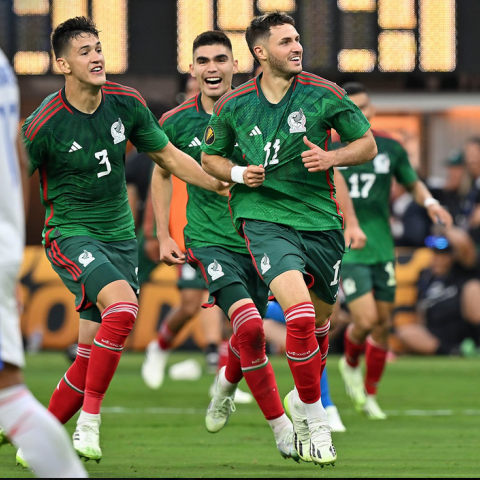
<point x="433" y="429"/>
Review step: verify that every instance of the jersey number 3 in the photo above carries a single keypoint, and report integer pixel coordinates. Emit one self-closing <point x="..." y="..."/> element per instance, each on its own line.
<point x="103" y="160"/>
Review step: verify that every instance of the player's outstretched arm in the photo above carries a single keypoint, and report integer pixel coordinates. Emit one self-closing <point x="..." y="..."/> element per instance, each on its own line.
<point x="187" y="169"/>
<point x="423" y="197"/>
<point x="354" y="235"/>
<point x="357" y="152"/>
<point x="162" y="189"/>
<point x="220" y="167"/>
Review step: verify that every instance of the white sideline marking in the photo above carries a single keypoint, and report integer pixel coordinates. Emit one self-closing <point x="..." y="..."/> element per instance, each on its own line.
<point x="196" y="411"/>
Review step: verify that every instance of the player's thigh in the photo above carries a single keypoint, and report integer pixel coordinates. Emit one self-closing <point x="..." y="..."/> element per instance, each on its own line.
<point x="323" y="310"/>
<point x="324" y="254"/>
<point x="11" y="346"/>
<point x="357" y="281"/>
<point x="384" y="281"/>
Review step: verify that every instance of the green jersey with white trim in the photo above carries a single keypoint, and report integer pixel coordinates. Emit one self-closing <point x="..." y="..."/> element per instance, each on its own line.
<point x="208" y="217"/>
<point x="272" y="135"/>
<point x="369" y="186"/>
<point x="81" y="161"/>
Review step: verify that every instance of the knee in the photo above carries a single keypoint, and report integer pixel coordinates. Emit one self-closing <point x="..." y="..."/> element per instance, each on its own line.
<point x="120" y="317"/>
<point x="189" y="309"/>
<point x="367" y="321"/>
<point x="251" y="334"/>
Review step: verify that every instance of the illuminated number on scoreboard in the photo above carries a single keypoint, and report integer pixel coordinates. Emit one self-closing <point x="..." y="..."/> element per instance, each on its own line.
<point x="110" y="16"/>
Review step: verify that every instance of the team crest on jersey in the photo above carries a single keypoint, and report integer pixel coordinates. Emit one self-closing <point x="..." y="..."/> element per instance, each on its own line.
<point x="215" y="270"/>
<point x="118" y="131"/>
<point x="381" y="163"/>
<point x="297" y="121"/>
<point x="349" y="286"/>
<point x="86" y="258"/>
<point x="209" y="137"/>
<point x="265" y="264"/>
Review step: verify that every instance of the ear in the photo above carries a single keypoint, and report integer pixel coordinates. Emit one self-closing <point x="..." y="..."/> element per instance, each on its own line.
<point x="192" y="73"/>
<point x="235" y="67"/>
<point x="259" y="51"/>
<point x="63" y="66"/>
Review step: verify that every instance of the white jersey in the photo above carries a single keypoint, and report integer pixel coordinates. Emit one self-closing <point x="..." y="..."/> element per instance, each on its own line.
<point x="12" y="222"/>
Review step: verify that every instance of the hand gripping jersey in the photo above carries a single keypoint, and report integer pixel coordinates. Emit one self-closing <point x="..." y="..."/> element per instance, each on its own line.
<point x="81" y="161"/>
<point x="208" y="216"/>
<point x="272" y="135"/>
<point x="369" y="186"/>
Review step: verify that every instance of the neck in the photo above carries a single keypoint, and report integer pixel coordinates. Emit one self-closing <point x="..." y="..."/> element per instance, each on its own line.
<point x="274" y="87"/>
<point x="85" y="98"/>
<point x="209" y="102"/>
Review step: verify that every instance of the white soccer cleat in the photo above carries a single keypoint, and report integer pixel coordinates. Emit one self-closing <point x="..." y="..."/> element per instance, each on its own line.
<point x="285" y="444"/>
<point x="334" y="419"/>
<point x="241" y="397"/>
<point x="354" y="386"/>
<point x="372" y="410"/>
<point x="322" y="451"/>
<point x="86" y="441"/>
<point x="153" y="368"/>
<point x="301" y="433"/>
<point x="20" y="459"/>
<point x="220" y="408"/>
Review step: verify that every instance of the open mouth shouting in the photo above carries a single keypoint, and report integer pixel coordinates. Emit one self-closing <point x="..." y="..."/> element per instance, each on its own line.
<point x="213" y="81"/>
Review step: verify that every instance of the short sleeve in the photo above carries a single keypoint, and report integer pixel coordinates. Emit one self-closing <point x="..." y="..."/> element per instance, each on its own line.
<point x="219" y="137"/>
<point x="404" y="172"/>
<point x="147" y="135"/>
<point x="345" y="117"/>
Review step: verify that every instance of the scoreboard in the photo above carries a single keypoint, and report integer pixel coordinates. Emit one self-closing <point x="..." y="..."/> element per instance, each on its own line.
<point x="155" y="36"/>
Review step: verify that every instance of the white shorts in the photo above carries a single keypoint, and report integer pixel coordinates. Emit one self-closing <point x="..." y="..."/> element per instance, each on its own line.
<point x="11" y="345"/>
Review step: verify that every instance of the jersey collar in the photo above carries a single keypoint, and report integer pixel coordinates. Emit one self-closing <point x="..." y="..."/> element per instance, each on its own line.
<point x="78" y="112"/>
<point x="282" y="102"/>
<point x="200" y="109"/>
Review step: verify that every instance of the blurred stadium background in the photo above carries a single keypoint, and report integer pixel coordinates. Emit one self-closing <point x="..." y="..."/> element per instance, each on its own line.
<point x="417" y="57"/>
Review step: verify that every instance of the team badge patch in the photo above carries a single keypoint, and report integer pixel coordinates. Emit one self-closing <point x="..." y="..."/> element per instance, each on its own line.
<point x="118" y="131"/>
<point x="209" y="136"/>
<point x="349" y="286"/>
<point x="265" y="264"/>
<point x="86" y="258"/>
<point x="297" y="122"/>
<point x="215" y="270"/>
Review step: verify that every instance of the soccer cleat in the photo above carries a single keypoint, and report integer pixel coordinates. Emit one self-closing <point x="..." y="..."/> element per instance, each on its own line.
<point x="241" y="397"/>
<point x="301" y="433"/>
<point x="220" y="408"/>
<point x="372" y="410"/>
<point x="285" y="444"/>
<point x="334" y="419"/>
<point x="20" y="459"/>
<point x="86" y="441"/>
<point x="354" y="386"/>
<point x="153" y="368"/>
<point x="322" y="451"/>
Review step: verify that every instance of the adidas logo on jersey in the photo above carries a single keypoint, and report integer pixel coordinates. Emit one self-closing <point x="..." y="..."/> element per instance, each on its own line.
<point x="255" y="131"/>
<point x="195" y="142"/>
<point x="75" y="146"/>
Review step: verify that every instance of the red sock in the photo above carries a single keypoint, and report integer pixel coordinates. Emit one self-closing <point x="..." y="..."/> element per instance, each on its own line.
<point x="375" y="360"/>
<point x="165" y="337"/>
<point x="223" y="354"/>
<point x="352" y="350"/>
<point x="321" y="334"/>
<point x="248" y="329"/>
<point x="117" y="323"/>
<point x="302" y="351"/>
<point x="67" y="398"/>
<point x="233" y="372"/>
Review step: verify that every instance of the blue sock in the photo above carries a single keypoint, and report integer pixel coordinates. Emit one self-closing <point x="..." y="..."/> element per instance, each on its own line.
<point x="325" y="389"/>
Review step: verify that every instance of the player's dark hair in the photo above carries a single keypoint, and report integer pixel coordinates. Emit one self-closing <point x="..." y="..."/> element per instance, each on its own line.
<point x="353" y="88"/>
<point x="259" y="28"/>
<point x="72" y="28"/>
<point x="212" y="37"/>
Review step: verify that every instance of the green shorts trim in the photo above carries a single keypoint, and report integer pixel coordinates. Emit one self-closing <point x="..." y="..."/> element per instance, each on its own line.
<point x="223" y="268"/>
<point x="360" y="279"/>
<point x="276" y="249"/>
<point x="86" y="265"/>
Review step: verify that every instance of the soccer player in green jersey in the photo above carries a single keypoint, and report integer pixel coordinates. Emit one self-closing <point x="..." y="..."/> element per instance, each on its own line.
<point x="218" y="252"/>
<point x="283" y="201"/>
<point x="368" y="275"/>
<point x="77" y="140"/>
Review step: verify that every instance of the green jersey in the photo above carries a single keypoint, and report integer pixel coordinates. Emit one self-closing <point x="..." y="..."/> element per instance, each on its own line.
<point x="272" y="135"/>
<point x="81" y="161"/>
<point x="369" y="186"/>
<point x="208" y="216"/>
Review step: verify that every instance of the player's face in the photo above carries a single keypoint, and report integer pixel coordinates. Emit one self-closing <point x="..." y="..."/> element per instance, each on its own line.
<point x="85" y="60"/>
<point x="213" y="67"/>
<point x="284" y="51"/>
<point x="362" y="101"/>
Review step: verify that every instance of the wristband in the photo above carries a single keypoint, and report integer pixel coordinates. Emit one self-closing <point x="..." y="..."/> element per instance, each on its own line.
<point x="430" y="201"/>
<point x="237" y="174"/>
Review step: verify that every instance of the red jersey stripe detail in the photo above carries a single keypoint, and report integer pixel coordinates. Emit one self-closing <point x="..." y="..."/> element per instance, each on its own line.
<point x="192" y="259"/>
<point x="220" y="107"/>
<point x="64" y="104"/>
<point x="247" y="241"/>
<point x="45" y="111"/>
<point x="170" y="113"/>
<point x="128" y="94"/>
<point x="122" y="87"/>
<point x="256" y="86"/>
<point x="72" y="264"/>
<point x="308" y="82"/>
<point x="40" y="126"/>
<point x="340" y="90"/>
<point x="329" y="132"/>
<point x="249" y="86"/>
<point x="59" y="263"/>
<point x="43" y="173"/>
<point x="39" y="114"/>
<point x="295" y="84"/>
<point x="196" y="103"/>
<point x="327" y="176"/>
